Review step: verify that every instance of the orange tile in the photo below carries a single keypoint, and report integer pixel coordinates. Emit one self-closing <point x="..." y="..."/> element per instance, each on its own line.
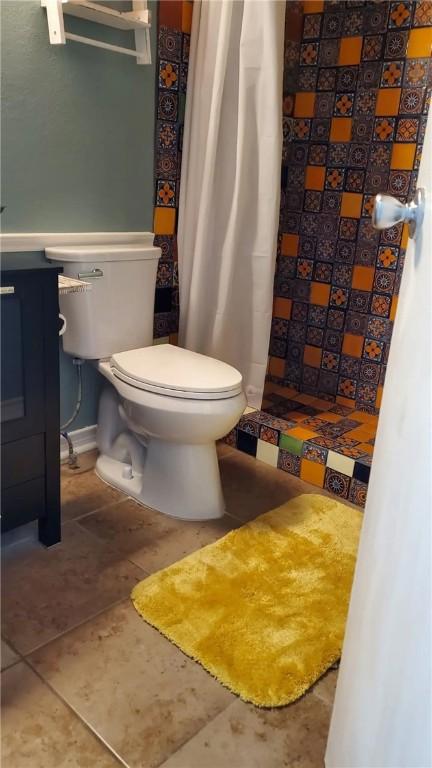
<point x="393" y="308"/>
<point x="295" y="416"/>
<point x="351" y="204"/>
<point x="319" y="294"/>
<point x="370" y="430"/>
<point x="289" y="245"/>
<point x="301" y="433"/>
<point x="363" y="277"/>
<point x="366" y="447"/>
<point x="304" y="104"/>
<point x="312" y="356"/>
<point x="352" y="345"/>
<point x="293" y="22"/>
<point x="366" y="418"/>
<point x="320" y="404"/>
<point x="170" y="13"/>
<point x="277" y="367"/>
<point x="313" y="6"/>
<point x="282" y="308"/>
<point x="333" y="417"/>
<point x="359" y="433"/>
<point x="378" y="400"/>
<point x="419" y="43"/>
<point x="304" y="399"/>
<point x="405" y="235"/>
<point x="286" y="391"/>
<point x="341" y="129"/>
<point x="315" y="177"/>
<point x="187" y="7"/>
<point x="345" y="401"/>
<point x="403" y="156"/>
<point x="350" y="50"/>
<point x="388" y="101"/>
<point x="311" y="472"/>
<point x="164" y="221"/>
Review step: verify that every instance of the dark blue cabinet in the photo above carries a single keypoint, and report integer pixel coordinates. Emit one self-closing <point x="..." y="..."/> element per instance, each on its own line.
<point x="29" y="393"/>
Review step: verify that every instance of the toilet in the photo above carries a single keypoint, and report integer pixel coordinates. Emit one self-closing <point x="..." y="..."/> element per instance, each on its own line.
<point x="162" y="407"/>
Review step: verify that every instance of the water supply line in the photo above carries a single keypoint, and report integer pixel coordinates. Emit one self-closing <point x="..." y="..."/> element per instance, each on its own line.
<point x="72" y="456"/>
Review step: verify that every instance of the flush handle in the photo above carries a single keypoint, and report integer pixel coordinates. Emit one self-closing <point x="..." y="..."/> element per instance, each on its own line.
<point x="389" y="211"/>
<point x="94" y="273"/>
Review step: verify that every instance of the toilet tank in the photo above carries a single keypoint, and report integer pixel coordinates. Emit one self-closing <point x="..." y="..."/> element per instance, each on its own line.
<point x="117" y="313"/>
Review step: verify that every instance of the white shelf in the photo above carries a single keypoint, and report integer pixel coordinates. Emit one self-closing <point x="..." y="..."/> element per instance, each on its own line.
<point x="137" y="20"/>
<point x="100" y="14"/>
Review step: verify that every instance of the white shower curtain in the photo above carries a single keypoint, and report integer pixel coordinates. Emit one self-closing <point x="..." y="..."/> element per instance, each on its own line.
<point x="230" y="183"/>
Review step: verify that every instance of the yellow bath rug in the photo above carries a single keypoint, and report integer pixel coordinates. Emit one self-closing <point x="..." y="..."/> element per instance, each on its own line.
<point x="264" y="608"/>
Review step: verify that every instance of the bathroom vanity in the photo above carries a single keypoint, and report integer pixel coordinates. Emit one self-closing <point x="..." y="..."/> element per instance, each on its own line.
<point x="30" y="394"/>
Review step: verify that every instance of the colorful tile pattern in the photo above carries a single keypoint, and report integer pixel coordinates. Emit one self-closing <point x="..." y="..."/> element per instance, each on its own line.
<point x="326" y="444"/>
<point x="174" y="26"/>
<point x="356" y="86"/>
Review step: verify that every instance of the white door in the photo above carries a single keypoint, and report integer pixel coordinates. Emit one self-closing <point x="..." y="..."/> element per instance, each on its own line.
<point x="382" y="713"/>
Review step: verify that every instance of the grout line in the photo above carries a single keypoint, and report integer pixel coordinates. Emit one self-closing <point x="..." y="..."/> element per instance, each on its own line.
<point x="75" y="712"/>
<point x="75" y="626"/>
<point x="191" y="738"/>
<point x="93" y="511"/>
<point x="12" y="664"/>
<point x="17" y="653"/>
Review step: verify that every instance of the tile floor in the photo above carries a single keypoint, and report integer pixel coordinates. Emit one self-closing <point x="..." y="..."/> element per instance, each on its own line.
<point x="324" y="443"/>
<point x="86" y="683"/>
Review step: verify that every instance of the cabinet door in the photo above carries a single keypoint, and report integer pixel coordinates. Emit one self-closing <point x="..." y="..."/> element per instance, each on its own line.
<point x="22" y="363"/>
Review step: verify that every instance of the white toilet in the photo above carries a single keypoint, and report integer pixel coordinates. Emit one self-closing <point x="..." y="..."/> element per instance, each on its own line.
<point x="163" y="407"/>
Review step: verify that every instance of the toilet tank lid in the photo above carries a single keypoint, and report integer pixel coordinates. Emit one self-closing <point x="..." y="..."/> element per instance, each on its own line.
<point x="90" y="253"/>
<point x="178" y="369"/>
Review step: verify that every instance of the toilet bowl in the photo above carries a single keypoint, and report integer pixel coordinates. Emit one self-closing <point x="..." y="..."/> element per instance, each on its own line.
<point x="162" y="408"/>
<point x="157" y="431"/>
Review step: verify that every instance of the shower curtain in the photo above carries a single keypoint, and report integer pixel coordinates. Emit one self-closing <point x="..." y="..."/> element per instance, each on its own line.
<point x="230" y="190"/>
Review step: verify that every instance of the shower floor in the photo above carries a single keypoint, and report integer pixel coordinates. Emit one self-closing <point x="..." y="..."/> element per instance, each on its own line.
<point x="323" y="443"/>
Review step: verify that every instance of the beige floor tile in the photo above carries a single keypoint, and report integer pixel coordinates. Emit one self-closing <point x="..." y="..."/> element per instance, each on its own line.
<point x="40" y="731"/>
<point x="131" y="685"/>
<point x="252" y="487"/>
<point x="223" y="449"/>
<point x="150" y="539"/>
<point x="8" y="656"/>
<point x="244" y="736"/>
<point x="83" y="492"/>
<point x="48" y="591"/>
<point x="325" y="688"/>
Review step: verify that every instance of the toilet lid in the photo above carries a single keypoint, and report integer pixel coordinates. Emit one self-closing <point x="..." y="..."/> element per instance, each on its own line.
<point x="178" y="372"/>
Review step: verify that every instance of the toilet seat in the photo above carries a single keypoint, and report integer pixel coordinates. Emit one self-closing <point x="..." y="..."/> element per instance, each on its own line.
<point x="176" y="372"/>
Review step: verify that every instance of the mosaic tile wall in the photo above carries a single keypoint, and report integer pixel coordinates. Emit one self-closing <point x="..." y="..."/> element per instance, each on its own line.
<point x="356" y="92"/>
<point x="174" y="26"/>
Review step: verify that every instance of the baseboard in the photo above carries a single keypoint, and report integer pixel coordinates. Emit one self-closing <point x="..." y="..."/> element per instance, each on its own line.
<point x="82" y="439"/>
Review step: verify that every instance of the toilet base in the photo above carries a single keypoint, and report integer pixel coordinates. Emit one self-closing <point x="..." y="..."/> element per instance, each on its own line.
<point x="178" y="480"/>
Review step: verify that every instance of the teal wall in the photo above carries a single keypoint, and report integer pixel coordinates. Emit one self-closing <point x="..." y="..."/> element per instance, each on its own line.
<point x="77" y="141"/>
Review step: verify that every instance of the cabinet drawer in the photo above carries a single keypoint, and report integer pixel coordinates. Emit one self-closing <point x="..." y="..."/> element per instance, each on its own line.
<point x="23" y="503"/>
<point x="22" y="460"/>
